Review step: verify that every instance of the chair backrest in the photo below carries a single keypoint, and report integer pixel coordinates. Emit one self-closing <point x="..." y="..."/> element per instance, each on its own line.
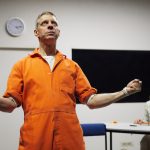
<point x="94" y="129"/>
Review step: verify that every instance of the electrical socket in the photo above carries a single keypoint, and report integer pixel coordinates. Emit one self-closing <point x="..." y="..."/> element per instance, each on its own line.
<point x="126" y="144"/>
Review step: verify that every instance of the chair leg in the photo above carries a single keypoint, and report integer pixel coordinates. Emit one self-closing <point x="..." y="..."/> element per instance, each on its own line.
<point x="106" y="141"/>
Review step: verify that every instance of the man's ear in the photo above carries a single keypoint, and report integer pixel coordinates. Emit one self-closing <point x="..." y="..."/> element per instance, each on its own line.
<point x="58" y="34"/>
<point x="36" y="32"/>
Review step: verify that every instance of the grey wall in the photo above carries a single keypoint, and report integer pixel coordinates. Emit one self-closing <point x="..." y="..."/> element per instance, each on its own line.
<point x="95" y="24"/>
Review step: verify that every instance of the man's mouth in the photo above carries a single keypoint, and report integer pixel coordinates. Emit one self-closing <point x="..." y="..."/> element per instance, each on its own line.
<point x="51" y="33"/>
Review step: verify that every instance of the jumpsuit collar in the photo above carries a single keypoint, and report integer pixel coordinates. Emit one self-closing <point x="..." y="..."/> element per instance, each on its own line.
<point x="58" y="57"/>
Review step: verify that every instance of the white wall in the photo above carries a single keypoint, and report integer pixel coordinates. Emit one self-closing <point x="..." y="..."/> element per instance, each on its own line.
<point x="95" y="24"/>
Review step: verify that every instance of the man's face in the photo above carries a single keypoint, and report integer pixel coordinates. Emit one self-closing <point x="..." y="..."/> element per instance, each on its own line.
<point x="47" y="28"/>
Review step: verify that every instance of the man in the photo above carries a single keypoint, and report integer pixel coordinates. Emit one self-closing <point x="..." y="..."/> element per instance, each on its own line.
<point x="46" y="85"/>
<point x="145" y="142"/>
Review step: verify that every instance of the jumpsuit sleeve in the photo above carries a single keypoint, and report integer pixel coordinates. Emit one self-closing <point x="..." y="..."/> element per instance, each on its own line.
<point x="83" y="88"/>
<point x="15" y="84"/>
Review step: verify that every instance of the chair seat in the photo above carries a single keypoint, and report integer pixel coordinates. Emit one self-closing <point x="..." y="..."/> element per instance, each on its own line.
<point x="93" y="129"/>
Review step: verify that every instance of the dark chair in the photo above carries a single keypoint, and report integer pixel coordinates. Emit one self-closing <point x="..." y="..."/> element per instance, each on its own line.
<point x="95" y="129"/>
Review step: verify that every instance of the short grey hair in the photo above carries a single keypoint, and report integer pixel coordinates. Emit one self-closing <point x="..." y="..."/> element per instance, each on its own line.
<point x="42" y="14"/>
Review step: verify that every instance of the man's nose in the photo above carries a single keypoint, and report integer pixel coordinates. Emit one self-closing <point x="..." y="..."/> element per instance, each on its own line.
<point x="50" y="26"/>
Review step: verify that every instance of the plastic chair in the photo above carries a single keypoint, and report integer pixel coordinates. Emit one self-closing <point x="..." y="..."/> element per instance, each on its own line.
<point x="95" y="129"/>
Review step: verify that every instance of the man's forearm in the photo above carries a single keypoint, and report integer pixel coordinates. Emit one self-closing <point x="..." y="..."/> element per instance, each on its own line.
<point x="101" y="100"/>
<point x="7" y="104"/>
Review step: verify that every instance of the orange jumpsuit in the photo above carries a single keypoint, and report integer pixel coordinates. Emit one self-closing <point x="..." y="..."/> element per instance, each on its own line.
<point x="48" y="99"/>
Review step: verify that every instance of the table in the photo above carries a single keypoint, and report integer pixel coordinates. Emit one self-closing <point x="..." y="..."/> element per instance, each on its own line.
<point x="126" y="128"/>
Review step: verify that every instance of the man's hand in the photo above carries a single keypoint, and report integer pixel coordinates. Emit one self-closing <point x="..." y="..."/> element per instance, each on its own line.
<point x="138" y="121"/>
<point x="133" y="86"/>
<point x="7" y="104"/>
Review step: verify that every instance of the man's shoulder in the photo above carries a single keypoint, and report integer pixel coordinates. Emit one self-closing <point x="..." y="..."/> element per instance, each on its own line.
<point x="24" y="59"/>
<point x="69" y="60"/>
<point x="147" y="104"/>
<point x="65" y="57"/>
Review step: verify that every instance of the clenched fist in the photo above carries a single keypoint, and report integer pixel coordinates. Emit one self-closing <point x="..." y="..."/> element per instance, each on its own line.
<point x="133" y="86"/>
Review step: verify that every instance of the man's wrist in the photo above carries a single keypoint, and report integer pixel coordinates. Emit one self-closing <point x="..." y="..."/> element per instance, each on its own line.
<point x="125" y="92"/>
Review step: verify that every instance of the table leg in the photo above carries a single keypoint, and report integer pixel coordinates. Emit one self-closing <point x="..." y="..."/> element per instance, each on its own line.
<point x="110" y="140"/>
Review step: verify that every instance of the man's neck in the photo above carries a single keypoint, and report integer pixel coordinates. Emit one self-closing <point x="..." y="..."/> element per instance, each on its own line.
<point x="47" y="50"/>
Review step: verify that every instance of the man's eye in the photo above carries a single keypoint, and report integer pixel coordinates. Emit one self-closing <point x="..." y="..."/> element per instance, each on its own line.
<point x="54" y="23"/>
<point x="44" y="23"/>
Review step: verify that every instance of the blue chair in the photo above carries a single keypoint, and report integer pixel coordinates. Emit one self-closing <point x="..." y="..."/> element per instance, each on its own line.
<point x="95" y="129"/>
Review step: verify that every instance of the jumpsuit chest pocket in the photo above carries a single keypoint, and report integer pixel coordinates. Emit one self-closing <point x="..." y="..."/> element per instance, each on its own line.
<point x="67" y="81"/>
